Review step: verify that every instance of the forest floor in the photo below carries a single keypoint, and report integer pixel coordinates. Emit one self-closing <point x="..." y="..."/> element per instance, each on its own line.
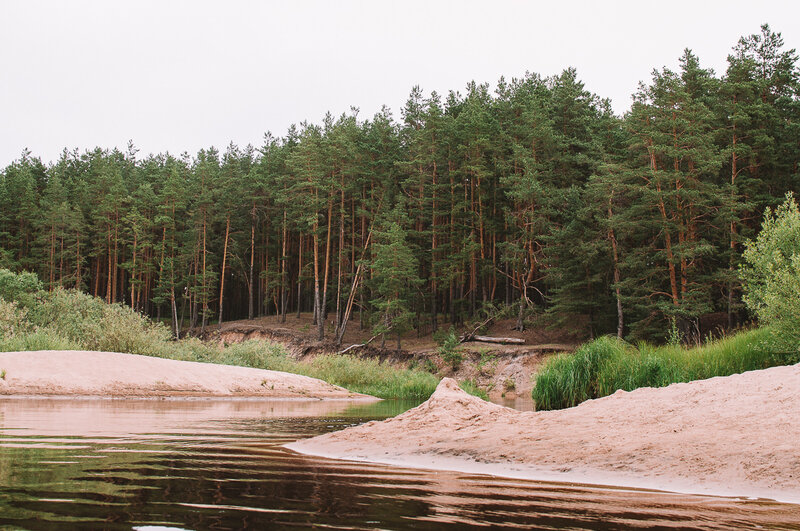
<point x="732" y="436"/>
<point x="504" y="371"/>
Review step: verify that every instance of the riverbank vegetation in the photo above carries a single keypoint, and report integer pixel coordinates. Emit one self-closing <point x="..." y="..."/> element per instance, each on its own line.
<point x="608" y="364"/>
<point x="34" y="319"/>
<point x="533" y="193"/>
<point x="771" y="280"/>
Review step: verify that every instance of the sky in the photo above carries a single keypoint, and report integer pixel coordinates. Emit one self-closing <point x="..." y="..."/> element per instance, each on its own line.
<point x="183" y="75"/>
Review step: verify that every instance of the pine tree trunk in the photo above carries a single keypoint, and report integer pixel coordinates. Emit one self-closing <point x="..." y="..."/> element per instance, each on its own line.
<point x="251" y="287"/>
<point x="434" y="308"/>
<point x="116" y="258"/>
<point x="284" y="286"/>
<point x="176" y="331"/>
<point x="52" y="261"/>
<point x="339" y="268"/>
<point x="523" y="304"/>
<point x="732" y="228"/>
<point x="618" y="292"/>
<point x="110" y="265"/>
<point x="352" y="296"/>
<point x="133" y="272"/>
<point x="320" y="321"/>
<point x="673" y="280"/>
<point x="97" y="277"/>
<point x="224" y="260"/>
<point x="299" y="275"/>
<point x="204" y="290"/>
<point x="78" y="261"/>
<point x="324" y="313"/>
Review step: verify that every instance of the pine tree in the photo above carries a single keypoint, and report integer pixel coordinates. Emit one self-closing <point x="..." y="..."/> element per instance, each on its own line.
<point x="394" y="277"/>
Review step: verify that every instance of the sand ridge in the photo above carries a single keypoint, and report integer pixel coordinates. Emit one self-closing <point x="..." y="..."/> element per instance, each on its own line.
<point x="738" y="435"/>
<point x="112" y="374"/>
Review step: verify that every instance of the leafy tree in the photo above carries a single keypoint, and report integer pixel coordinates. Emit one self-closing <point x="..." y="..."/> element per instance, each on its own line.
<point x="771" y="272"/>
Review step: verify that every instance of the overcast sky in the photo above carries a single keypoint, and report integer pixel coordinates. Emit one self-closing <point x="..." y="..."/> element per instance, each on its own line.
<point x="177" y="76"/>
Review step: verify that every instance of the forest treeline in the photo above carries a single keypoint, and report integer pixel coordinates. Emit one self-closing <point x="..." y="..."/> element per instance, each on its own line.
<point x="533" y="195"/>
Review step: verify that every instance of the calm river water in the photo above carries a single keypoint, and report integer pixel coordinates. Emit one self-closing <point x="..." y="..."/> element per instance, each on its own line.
<point x="127" y="464"/>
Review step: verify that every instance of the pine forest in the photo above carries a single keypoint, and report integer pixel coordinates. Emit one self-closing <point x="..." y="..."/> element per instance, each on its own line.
<point x="531" y="196"/>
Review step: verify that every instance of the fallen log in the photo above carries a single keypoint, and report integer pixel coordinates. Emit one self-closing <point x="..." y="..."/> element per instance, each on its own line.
<point x="502" y="340"/>
<point x="359" y="344"/>
<point x="471" y="335"/>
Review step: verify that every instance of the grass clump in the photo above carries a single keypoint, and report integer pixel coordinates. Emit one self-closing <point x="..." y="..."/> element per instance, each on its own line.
<point x="603" y="366"/>
<point x="372" y="377"/>
<point x="472" y="388"/>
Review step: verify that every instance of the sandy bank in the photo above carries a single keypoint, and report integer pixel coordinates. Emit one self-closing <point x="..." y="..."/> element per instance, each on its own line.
<point x="737" y="436"/>
<point x="85" y="373"/>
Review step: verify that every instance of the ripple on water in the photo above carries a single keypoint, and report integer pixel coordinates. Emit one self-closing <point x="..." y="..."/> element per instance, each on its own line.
<point x="99" y="464"/>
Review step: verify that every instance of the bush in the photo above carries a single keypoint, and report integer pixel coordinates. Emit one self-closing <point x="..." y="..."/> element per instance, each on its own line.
<point x="603" y="366"/>
<point x="91" y="324"/>
<point x="449" y="351"/>
<point x="21" y="288"/>
<point x="771" y="274"/>
<point x="13" y="319"/>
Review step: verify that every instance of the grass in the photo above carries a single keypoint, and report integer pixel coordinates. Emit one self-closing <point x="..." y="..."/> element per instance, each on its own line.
<point x="603" y="366"/>
<point x="472" y="388"/>
<point x="355" y="374"/>
<point x="34" y="319"/>
<point x="71" y="320"/>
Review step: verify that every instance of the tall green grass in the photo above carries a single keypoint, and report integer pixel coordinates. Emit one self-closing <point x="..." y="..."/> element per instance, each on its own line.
<point x="603" y="366"/>
<point x="355" y="374"/>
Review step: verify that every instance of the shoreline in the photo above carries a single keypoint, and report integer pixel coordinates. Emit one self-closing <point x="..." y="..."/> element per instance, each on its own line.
<point x="729" y="436"/>
<point x="600" y="480"/>
<point x="187" y="398"/>
<point x="76" y="374"/>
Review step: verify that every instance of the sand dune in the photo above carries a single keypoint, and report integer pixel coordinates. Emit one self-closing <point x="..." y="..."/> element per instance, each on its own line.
<point x="112" y="374"/>
<point x="737" y="436"/>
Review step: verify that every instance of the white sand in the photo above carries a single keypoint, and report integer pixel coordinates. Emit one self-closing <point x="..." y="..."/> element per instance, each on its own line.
<point x="737" y="436"/>
<point x="85" y="373"/>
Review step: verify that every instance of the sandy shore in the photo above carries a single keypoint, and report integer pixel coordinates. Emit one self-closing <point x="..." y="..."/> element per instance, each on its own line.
<point x="734" y="436"/>
<point x="111" y="374"/>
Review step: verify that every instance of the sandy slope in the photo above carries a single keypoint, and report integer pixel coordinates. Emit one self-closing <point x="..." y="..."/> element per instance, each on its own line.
<point x="738" y="435"/>
<point x="127" y="375"/>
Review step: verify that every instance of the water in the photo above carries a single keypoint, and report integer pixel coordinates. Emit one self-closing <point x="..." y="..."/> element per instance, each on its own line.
<point x="103" y="464"/>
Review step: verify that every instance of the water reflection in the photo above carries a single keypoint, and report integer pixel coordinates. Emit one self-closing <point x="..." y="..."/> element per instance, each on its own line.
<point x="95" y="464"/>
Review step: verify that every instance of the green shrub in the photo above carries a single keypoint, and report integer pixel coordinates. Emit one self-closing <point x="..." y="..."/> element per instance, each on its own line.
<point x="771" y="274"/>
<point x="449" y="351"/>
<point x="13" y="319"/>
<point x="21" y="288"/>
<point x="91" y="324"/>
